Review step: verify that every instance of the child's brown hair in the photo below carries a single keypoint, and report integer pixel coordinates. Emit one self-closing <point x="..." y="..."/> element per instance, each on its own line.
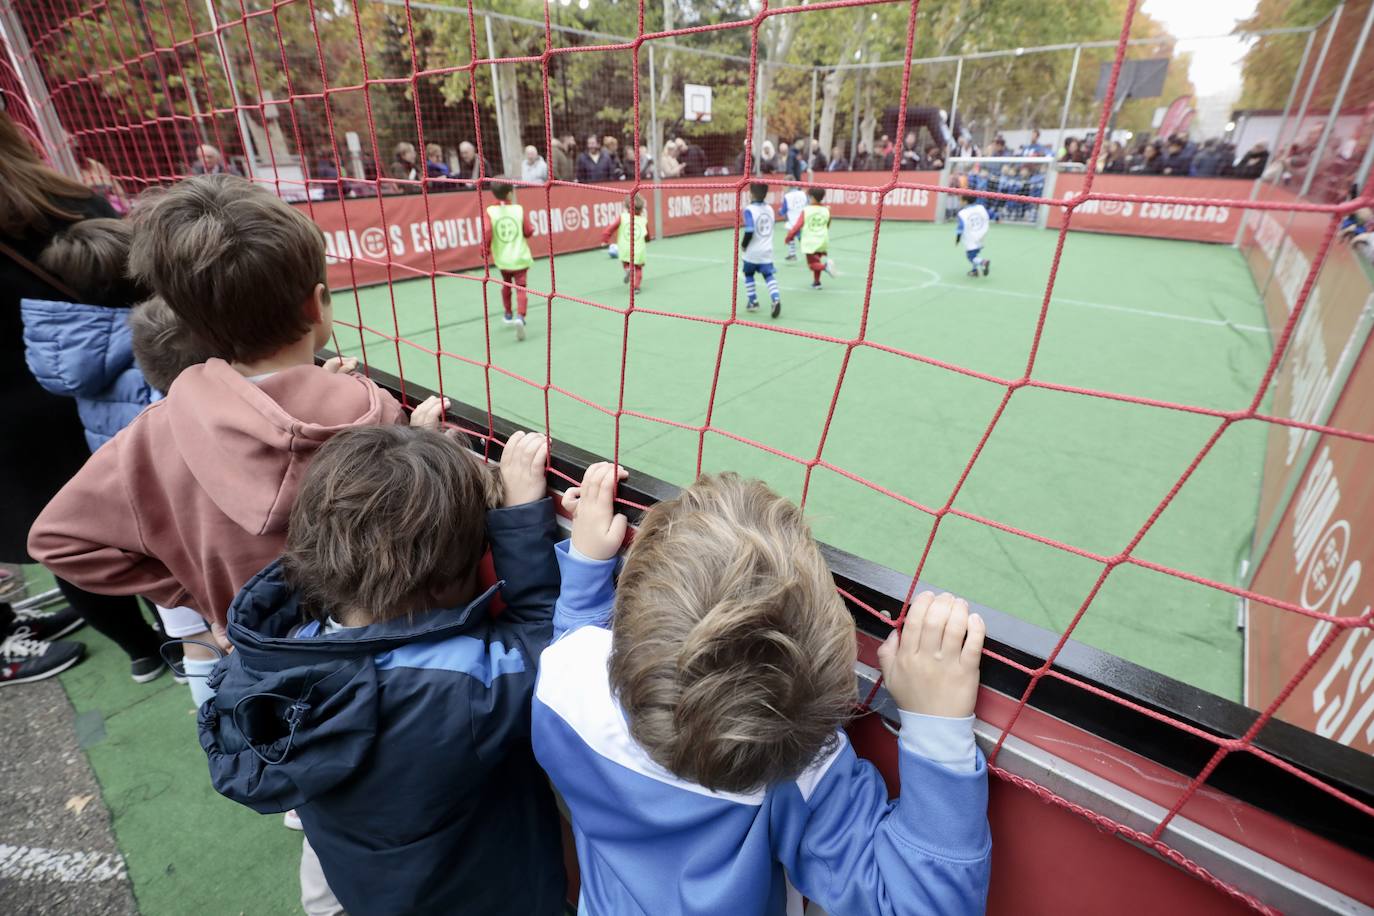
<point x="387" y="518"/>
<point x="236" y="263"/>
<point x="163" y="347"/>
<point x="732" y="654"/>
<point x="635" y="203"/>
<point x="817" y="194"/>
<point x="92" y="257"/>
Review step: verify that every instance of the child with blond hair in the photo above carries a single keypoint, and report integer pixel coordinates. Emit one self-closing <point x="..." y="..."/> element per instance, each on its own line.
<point x="691" y="716"/>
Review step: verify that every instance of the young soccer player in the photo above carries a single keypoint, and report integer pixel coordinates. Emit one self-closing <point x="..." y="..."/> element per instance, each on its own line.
<point x="756" y="243"/>
<point x="396" y="721"/>
<point x="691" y="715"/>
<point x="505" y="243"/>
<point x="813" y="225"/>
<point x="634" y="223"/>
<point x="793" y="202"/>
<point x="972" y="229"/>
<point x="191" y="499"/>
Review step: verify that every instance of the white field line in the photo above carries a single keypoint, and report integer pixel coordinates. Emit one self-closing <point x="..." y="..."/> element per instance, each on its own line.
<point x="937" y="280"/>
<point x="34" y="863"/>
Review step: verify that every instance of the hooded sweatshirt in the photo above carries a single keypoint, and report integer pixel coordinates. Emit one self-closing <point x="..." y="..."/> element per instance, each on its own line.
<point x="403" y="745"/>
<point x="192" y="498"/>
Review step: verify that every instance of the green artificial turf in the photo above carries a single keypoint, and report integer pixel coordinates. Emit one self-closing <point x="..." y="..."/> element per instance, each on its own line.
<point x="1174" y="321"/>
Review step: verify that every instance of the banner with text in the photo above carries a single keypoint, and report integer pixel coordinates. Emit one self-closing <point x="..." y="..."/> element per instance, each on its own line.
<point x="1316" y="560"/>
<point x="1211" y="222"/>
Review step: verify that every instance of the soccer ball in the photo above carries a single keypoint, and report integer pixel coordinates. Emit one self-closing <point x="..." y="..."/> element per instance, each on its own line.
<point x="612" y="251"/>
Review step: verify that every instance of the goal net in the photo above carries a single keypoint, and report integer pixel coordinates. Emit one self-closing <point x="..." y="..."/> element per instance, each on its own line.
<point x="386" y="121"/>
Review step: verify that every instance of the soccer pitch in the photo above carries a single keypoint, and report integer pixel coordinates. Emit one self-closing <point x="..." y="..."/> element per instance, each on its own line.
<point x="1176" y="321"/>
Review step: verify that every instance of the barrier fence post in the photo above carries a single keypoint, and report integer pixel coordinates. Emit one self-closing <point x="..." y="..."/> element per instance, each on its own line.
<point x="250" y="153"/>
<point x="954" y="103"/>
<point x="53" y="134"/>
<point x="655" y="144"/>
<point x="1337" y="102"/>
<point x="1283" y="122"/>
<point x="1068" y="97"/>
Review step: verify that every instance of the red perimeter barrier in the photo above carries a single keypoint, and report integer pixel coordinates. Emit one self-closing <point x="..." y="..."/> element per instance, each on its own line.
<point x="1193" y="209"/>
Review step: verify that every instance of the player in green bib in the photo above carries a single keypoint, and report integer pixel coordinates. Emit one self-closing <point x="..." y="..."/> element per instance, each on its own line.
<point x="633" y="225"/>
<point x="506" y="230"/>
<point x="813" y="225"/>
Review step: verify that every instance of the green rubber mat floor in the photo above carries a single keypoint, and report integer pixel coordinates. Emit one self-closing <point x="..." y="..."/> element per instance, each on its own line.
<point x="1175" y="321"/>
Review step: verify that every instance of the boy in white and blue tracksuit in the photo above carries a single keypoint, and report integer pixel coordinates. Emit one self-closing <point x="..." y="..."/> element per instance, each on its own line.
<point x="793" y="203"/>
<point x="652" y="841"/>
<point x="756" y="245"/>
<point x="400" y="734"/>
<point x="972" y="228"/>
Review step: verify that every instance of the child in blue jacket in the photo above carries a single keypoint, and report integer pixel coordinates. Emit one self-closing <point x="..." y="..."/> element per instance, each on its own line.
<point x="396" y="720"/>
<point x="84" y="350"/>
<point x="691" y="714"/>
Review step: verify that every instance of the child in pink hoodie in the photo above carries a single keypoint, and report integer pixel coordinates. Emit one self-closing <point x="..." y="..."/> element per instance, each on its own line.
<point x="191" y="500"/>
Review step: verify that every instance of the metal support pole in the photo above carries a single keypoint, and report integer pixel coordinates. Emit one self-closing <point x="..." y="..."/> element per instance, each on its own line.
<point x="811" y="131"/>
<point x="655" y="144"/>
<point x="1337" y="102"/>
<point x="1311" y="83"/>
<point x="1363" y="174"/>
<point x="496" y="96"/>
<point x="1278" y="136"/>
<point x="1068" y="97"/>
<point x="250" y="154"/>
<point x="854" y="120"/>
<point x="954" y="102"/>
<point x="53" y="134"/>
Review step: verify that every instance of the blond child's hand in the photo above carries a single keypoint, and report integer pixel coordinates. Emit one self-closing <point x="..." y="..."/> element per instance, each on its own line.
<point x="932" y="668"/>
<point x="522" y="468"/>
<point x="430" y="413"/>
<point x="598" y="530"/>
<point x="340" y="365"/>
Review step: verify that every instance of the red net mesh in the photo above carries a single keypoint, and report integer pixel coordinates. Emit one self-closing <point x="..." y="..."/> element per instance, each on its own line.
<point x="160" y="51"/>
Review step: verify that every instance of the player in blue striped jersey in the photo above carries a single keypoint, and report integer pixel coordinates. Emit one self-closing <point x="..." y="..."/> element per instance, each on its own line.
<point x="756" y="243"/>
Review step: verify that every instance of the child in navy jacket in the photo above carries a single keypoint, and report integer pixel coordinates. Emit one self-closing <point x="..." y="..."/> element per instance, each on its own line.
<point x="695" y="733"/>
<point x="396" y="721"/>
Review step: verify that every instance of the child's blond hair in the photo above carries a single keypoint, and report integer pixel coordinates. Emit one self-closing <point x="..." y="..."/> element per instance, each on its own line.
<point x="732" y="654"/>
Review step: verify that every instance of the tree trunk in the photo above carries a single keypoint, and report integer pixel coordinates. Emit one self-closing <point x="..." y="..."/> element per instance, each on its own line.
<point x="512" y="142"/>
<point x="781" y="30"/>
<point x="833" y="83"/>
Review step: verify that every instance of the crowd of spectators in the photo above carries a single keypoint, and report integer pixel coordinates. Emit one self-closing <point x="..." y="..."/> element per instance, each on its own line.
<point x="602" y="159"/>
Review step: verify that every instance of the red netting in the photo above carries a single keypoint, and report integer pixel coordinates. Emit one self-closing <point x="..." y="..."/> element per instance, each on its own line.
<point x="154" y="50"/>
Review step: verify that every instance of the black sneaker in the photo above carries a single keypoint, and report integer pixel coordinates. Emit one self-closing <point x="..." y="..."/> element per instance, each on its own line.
<point x="24" y="660"/>
<point x="47" y="627"/>
<point x="147" y="669"/>
<point x="751" y="306"/>
<point x="816" y="285"/>
<point x="987" y="266"/>
<point x="777" y="307"/>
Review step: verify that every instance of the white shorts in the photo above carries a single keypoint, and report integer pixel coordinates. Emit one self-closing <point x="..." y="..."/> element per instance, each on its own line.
<point x="180" y="622"/>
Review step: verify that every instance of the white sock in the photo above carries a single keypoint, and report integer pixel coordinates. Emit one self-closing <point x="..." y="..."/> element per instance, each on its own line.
<point x="197" y="671"/>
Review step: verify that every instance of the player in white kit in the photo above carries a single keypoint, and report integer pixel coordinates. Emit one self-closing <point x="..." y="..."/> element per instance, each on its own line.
<point x="793" y="203"/>
<point x="756" y="243"/>
<point x="973" y="228"/>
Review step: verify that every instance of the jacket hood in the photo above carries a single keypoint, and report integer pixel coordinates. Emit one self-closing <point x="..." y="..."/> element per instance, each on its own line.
<point x="293" y="717"/>
<point x="261" y="432"/>
<point x="73" y="349"/>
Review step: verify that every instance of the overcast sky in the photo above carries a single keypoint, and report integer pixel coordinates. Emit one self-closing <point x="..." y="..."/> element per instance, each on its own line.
<point x="1216" y="64"/>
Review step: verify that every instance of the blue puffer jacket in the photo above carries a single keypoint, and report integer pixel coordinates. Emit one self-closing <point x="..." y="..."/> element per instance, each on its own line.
<point x="404" y="746"/>
<point x="86" y="352"/>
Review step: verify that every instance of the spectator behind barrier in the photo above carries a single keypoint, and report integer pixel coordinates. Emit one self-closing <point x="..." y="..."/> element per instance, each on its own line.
<point x="191" y="499"/>
<point x="595" y="164"/>
<point x="470" y="167"/>
<point x="411" y="767"/>
<point x="533" y="168"/>
<point x="1177" y="160"/>
<point x="209" y="161"/>
<point x="435" y="167"/>
<point x="564" y="157"/>
<point x="691" y="717"/>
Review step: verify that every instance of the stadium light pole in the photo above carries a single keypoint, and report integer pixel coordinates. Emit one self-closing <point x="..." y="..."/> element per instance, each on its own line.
<point x="655" y="143"/>
<point x="1336" y="103"/>
<point x="811" y="130"/>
